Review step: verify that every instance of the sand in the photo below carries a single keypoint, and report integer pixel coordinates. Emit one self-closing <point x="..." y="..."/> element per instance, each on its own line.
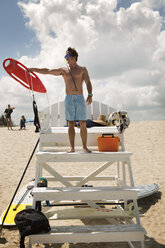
<point x="147" y="142"/>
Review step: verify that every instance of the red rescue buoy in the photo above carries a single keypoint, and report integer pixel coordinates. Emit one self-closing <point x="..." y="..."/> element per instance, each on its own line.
<point x="20" y="73"/>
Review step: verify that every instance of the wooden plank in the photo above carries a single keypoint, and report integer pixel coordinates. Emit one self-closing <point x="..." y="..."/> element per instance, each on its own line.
<point x="104" y="110"/>
<point x="87" y="237"/>
<point x="83" y="157"/>
<point x="103" y="129"/>
<point x="54" y="115"/>
<point x="95" y="109"/>
<point x="45" y="119"/>
<point x="89" y="111"/>
<point x="53" y="135"/>
<point x="110" y="110"/>
<point x="61" y="113"/>
<point x="96" y="228"/>
<point x="84" y="193"/>
<point x="87" y="234"/>
<point x="79" y="178"/>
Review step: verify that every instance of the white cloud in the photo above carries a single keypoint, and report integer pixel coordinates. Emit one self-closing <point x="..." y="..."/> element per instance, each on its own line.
<point x="154" y="4"/>
<point x="123" y="50"/>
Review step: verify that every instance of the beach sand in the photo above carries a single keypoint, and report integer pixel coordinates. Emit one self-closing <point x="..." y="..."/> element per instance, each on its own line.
<point x="147" y="142"/>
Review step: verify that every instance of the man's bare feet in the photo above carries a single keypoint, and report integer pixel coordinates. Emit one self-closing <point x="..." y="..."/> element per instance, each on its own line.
<point x="86" y="150"/>
<point x="71" y="150"/>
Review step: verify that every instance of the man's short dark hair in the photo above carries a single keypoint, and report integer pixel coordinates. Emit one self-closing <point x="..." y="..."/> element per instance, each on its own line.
<point x="73" y="52"/>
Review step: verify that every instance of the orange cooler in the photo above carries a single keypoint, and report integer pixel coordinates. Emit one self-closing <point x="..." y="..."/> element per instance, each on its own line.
<point x="108" y="143"/>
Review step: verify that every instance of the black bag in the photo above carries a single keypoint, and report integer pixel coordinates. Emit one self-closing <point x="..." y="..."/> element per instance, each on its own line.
<point x="90" y="123"/>
<point x="30" y="221"/>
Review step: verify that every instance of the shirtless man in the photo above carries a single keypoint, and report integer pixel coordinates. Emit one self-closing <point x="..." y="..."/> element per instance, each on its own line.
<point x="75" y="106"/>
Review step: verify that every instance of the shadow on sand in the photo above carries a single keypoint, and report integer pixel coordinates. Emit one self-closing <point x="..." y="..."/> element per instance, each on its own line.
<point x="147" y="202"/>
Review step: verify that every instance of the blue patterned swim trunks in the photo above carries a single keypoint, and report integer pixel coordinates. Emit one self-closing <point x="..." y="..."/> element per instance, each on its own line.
<point x="75" y="108"/>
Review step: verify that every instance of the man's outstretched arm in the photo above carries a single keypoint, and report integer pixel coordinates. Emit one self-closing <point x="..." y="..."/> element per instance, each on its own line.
<point x="55" y="72"/>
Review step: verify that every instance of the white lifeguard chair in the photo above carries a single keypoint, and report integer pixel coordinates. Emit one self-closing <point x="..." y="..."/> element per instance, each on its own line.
<point x="69" y="190"/>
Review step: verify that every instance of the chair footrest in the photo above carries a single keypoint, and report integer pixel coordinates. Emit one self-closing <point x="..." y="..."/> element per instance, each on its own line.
<point x="98" y="233"/>
<point x="85" y="193"/>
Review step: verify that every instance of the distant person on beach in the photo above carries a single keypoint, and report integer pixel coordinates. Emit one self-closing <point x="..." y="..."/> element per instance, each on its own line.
<point x="7" y="114"/>
<point x="75" y="106"/>
<point x="22" y="123"/>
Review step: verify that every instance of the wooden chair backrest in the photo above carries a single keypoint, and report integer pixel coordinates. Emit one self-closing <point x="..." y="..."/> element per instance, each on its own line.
<point x="57" y="116"/>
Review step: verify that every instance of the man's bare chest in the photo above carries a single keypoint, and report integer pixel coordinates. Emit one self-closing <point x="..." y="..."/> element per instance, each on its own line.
<point x="75" y="73"/>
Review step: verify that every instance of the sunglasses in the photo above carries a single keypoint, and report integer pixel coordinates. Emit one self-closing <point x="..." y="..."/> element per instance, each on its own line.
<point x="67" y="56"/>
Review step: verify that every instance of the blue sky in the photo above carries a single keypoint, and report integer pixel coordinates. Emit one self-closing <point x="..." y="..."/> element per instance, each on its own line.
<point x="120" y="42"/>
<point x="16" y="39"/>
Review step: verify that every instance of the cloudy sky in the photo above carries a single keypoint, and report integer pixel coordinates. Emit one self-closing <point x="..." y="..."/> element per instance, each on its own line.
<point x="121" y="42"/>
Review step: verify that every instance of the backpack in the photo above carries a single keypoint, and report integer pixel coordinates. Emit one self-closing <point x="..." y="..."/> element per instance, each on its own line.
<point x="30" y="221"/>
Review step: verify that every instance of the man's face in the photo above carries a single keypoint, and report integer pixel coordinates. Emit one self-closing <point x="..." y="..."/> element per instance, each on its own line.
<point x="69" y="58"/>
